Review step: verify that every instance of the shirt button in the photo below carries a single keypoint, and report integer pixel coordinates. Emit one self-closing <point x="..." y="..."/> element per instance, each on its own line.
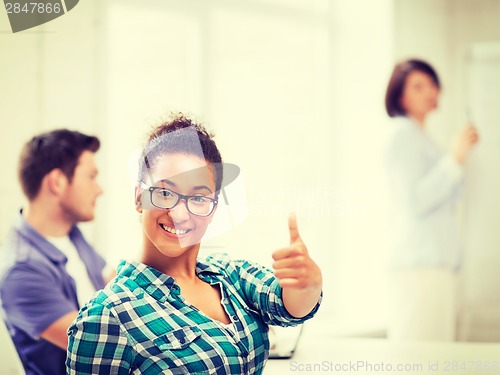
<point x="235" y="317"/>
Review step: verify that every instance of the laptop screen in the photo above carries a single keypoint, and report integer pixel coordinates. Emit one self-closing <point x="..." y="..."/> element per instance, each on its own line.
<point x="284" y="341"/>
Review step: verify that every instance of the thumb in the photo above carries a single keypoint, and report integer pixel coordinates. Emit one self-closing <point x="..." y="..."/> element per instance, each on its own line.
<point x="292" y="227"/>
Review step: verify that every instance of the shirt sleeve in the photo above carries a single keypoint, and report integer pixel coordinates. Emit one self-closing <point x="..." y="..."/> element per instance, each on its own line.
<point x="428" y="185"/>
<point x="263" y="293"/>
<point x="97" y="344"/>
<point x="33" y="298"/>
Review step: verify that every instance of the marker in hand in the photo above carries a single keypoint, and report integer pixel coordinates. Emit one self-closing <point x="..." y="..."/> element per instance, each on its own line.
<point x="293" y="266"/>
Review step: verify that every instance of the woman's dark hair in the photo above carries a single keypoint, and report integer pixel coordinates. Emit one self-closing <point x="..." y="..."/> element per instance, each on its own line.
<point x="397" y="82"/>
<point x="181" y="135"/>
<point x="57" y="149"/>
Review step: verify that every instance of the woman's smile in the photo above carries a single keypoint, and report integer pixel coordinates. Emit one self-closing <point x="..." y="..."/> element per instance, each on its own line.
<point x="173" y="232"/>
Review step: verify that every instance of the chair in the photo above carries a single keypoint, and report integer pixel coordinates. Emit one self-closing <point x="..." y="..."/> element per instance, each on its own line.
<point x="10" y="364"/>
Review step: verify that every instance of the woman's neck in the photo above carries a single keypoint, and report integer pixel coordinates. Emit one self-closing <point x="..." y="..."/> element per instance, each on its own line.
<point x="418" y="118"/>
<point x="181" y="266"/>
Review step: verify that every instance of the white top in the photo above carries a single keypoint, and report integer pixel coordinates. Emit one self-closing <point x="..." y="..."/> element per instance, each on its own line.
<point x="75" y="268"/>
<point x="425" y="186"/>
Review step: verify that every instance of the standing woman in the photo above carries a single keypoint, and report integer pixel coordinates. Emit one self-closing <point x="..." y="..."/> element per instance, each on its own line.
<point x="425" y="184"/>
<point x="173" y="312"/>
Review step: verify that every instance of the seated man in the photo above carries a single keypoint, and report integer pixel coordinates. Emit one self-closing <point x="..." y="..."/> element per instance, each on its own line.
<point x="45" y="252"/>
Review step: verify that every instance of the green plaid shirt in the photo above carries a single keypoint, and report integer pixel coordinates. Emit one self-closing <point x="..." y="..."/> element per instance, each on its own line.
<point x="140" y="323"/>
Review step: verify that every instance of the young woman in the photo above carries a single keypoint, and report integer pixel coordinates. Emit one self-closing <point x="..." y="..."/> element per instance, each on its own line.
<point x="426" y="184"/>
<point x="175" y="313"/>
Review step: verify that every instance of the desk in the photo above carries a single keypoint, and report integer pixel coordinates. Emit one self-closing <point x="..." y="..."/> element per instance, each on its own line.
<point x="322" y="354"/>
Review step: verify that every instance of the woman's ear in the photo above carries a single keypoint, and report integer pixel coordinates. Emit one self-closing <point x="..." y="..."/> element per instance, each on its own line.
<point x="138" y="199"/>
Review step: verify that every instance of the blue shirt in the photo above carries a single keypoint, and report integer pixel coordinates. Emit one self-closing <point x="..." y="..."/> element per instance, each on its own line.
<point x="141" y="324"/>
<point x="36" y="290"/>
<point x="425" y="187"/>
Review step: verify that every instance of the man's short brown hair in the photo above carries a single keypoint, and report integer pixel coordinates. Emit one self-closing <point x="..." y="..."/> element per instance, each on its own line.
<point x="57" y="149"/>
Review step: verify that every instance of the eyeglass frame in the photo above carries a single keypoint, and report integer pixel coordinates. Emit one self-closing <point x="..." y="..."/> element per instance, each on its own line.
<point x="186" y="198"/>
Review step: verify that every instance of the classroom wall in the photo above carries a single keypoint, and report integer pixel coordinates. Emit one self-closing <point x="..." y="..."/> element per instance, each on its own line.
<point x="48" y="79"/>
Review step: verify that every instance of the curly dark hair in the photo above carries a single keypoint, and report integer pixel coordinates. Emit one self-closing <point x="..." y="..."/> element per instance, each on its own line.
<point x="181" y="135"/>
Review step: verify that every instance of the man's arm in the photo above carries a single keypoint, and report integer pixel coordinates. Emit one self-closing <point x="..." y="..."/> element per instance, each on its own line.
<point x="108" y="274"/>
<point x="56" y="332"/>
<point x="34" y="305"/>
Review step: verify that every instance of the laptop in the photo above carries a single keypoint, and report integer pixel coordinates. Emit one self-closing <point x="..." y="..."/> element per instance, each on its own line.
<point x="284" y="341"/>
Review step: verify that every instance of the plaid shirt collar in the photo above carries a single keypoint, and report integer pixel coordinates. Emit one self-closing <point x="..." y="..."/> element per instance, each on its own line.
<point x="158" y="284"/>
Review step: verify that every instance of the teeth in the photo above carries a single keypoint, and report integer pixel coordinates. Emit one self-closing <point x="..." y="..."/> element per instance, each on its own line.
<point x="173" y="230"/>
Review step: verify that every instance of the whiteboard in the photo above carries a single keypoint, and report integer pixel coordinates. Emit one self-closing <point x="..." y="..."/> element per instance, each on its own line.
<point x="481" y="224"/>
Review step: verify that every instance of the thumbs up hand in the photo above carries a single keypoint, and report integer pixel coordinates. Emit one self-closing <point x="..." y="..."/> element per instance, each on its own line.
<point x="293" y="266"/>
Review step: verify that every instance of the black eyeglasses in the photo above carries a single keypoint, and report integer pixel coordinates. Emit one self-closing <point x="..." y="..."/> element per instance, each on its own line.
<point x="166" y="199"/>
